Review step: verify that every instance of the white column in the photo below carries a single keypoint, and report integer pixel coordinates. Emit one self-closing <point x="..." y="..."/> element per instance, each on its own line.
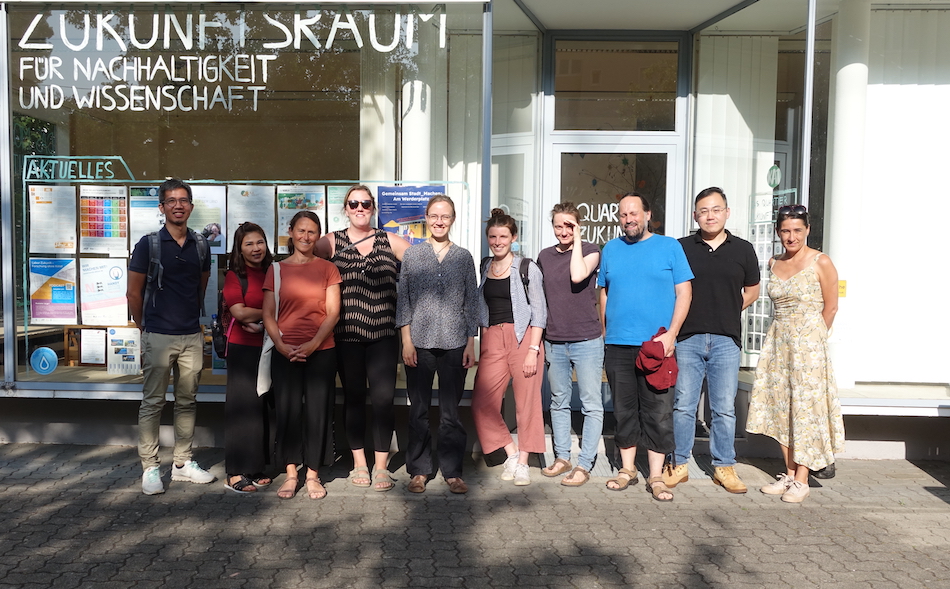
<point x="843" y="237"/>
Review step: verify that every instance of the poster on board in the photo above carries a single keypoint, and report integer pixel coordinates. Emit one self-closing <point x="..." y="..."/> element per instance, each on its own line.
<point x="92" y="346"/>
<point x="52" y="291"/>
<point x="293" y="199"/>
<point x="103" y="220"/>
<point x="336" y="218"/>
<point x="208" y="216"/>
<point x="402" y="210"/>
<point x="102" y="283"/>
<point x="144" y="214"/>
<point x="247" y="202"/>
<point x="122" y="350"/>
<point x="52" y="219"/>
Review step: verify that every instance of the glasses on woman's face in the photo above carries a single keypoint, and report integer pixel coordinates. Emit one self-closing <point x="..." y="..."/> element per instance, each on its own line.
<point x="792" y="210"/>
<point x="443" y="218"/>
<point x="354" y="204"/>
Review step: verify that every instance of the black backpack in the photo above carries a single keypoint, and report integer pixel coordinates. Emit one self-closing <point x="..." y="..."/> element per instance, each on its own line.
<point x="222" y="327"/>
<point x="153" y="280"/>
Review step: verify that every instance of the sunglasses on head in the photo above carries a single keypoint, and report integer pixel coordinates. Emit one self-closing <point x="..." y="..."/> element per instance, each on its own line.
<point x="366" y="204"/>
<point x="793" y="210"/>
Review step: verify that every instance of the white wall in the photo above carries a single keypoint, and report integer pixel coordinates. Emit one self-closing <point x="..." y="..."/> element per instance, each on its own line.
<point x="897" y="291"/>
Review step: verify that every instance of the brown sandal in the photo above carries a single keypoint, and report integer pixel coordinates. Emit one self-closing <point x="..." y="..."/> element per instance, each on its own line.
<point x="559" y="467"/>
<point x="624" y="479"/>
<point x="572" y="483"/>
<point x="288" y="489"/>
<point x="317" y="491"/>
<point x="657" y="487"/>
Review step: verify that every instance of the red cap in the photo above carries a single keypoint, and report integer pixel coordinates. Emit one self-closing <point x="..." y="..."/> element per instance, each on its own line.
<point x="661" y="372"/>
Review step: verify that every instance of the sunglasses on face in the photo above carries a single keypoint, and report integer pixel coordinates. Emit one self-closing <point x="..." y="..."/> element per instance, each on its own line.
<point x="366" y="204"/>
<point x="792" y="210"/>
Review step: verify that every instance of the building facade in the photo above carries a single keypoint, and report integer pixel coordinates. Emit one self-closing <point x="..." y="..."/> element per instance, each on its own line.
<point x="267" y="108"/>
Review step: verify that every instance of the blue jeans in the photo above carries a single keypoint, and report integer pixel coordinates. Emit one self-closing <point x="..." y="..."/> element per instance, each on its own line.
<point x="587" y="358"/>
<point x="715" y="357"/>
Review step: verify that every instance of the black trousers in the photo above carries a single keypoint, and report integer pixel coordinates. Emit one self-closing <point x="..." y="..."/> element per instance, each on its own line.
<point x="375" y="363"/>
<point x="644" y="414"/>
<point x="248" y="427"/>
<point x="303" y="396"/>
<point x="451" y="447"/>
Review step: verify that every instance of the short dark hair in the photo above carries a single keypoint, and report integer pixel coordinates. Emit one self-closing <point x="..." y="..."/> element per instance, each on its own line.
<point x="566" y="208"/>
<point x="709" y="192"/>
<point x="643" y="199"/>
<point x="173" y="184"/>
<point x="303" y="215"/>
<point x="791" y="212"/>
<point x="236" y="261"/>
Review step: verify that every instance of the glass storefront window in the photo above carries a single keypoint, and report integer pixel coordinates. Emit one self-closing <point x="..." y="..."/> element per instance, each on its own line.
<point x="615" y="85"/>
<point x="109" y="100"/>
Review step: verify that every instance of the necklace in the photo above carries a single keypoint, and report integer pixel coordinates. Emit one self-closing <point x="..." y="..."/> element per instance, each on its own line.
<point x="498" y="274"/>
<point x="441" y="249"/>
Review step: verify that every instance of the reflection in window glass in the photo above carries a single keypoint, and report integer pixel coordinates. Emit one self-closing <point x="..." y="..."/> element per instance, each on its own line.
<point x="615" y="85"/>
<point x="596" y="182"/>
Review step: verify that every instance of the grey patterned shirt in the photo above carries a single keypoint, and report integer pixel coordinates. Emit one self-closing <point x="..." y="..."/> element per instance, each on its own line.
<point x="438" y="300"/>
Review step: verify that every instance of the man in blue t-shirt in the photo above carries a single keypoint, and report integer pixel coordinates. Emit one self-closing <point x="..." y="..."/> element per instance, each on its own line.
<point x="172" y="337"/>
<point x="645" y="285"/>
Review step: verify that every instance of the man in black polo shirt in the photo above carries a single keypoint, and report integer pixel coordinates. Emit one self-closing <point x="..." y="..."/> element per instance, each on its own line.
<point x="171" y="334"/>
<point x="726" y="281"/>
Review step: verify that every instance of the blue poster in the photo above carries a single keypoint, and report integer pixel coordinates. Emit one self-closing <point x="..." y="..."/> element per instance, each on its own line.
<point x="402" y="210"/>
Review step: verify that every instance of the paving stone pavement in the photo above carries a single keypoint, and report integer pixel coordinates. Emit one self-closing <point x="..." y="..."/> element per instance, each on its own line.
<point x="75" y="516"/>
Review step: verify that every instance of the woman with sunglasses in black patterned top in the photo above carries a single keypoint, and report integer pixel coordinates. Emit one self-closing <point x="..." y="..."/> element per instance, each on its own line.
<point x="367" y="345"/>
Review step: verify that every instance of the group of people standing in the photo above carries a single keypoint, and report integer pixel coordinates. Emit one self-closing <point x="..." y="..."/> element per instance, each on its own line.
<point x="334" y="307"/>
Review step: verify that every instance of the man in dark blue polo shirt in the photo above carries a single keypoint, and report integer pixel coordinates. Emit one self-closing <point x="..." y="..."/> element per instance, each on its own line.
<point x="726" y="281"/>
<point x="171" y="334"/>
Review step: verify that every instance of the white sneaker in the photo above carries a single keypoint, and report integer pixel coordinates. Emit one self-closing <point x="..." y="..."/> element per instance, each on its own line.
<point x="522" y="477"/>
<point x="191" y="473"/>
<point x="152" y="481"/>
<point x="510" y="463"/>
<point x="796" y="492"/>
<point x="781" y="484"/>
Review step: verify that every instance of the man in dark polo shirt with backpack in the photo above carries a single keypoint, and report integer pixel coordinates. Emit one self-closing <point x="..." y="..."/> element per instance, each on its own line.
<point x="165" y="292"/>
<point x="709" y="344"/>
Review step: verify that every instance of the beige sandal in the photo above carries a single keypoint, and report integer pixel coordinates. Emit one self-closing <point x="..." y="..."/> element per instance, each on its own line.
<point x="624" y="479"/>
<point x="288" y="489"/>
<point x="382" y="480"/>
<point x="315" y="489"/>
<point x="657" y="487"/>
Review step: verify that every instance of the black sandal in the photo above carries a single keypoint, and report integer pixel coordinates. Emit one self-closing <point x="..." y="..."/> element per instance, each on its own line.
<point x="242" y="485"/>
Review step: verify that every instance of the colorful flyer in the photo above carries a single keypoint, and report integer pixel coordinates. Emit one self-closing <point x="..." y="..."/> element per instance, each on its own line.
<point x="293" y="199"/>
<point x="103" y="282"/>
<point x="144" y="214"/>
<point x="52" y="219"/>
<point x="208" y="216"/>
<point x="52" y="291"/>
<point x="336" y="219"/>
<point x="122" y="350"/>
<point x="402" y="210"/>
<point x="103" y="220"/>
<point x="251" y="203"/>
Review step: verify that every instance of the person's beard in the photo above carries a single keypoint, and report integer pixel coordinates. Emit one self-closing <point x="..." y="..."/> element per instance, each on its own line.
<point x="634" y="232"/>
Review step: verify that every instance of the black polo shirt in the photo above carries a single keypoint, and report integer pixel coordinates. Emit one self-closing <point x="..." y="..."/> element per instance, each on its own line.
<point x="175" y="309"/>
<point x="720" y="275"/>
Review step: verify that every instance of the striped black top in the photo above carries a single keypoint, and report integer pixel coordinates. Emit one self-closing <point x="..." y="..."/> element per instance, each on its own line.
<point x="368" y="311"/>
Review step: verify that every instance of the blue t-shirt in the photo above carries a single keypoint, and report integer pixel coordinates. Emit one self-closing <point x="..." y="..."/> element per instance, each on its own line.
<point x="641" y="279"/>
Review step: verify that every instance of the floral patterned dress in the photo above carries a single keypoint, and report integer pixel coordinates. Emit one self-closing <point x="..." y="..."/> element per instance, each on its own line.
<point x="794" y="398"/>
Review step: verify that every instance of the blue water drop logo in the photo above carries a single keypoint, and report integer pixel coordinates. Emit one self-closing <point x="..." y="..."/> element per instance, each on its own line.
<point x="44" y="360"/>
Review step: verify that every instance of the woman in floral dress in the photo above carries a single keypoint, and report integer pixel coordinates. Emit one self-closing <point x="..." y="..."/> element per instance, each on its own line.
<point x="794" y="398"/>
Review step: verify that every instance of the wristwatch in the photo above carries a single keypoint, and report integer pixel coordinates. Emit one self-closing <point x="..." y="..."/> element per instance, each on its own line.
<point x="535" y="348"/>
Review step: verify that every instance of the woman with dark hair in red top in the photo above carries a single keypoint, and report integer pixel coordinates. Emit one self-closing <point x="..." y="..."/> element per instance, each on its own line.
<point x="247" y="448"/>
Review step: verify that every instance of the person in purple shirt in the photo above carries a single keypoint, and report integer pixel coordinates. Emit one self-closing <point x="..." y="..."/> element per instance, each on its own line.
<point x="573" y="342"/>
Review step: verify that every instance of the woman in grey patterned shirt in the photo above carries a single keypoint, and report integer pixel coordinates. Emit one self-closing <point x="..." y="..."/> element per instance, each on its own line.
<point x="436" y="313"/>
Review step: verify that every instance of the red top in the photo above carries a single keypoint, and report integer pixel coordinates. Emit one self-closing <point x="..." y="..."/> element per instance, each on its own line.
<point x="253" y="299"/>
<point x="302" y="305"/>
